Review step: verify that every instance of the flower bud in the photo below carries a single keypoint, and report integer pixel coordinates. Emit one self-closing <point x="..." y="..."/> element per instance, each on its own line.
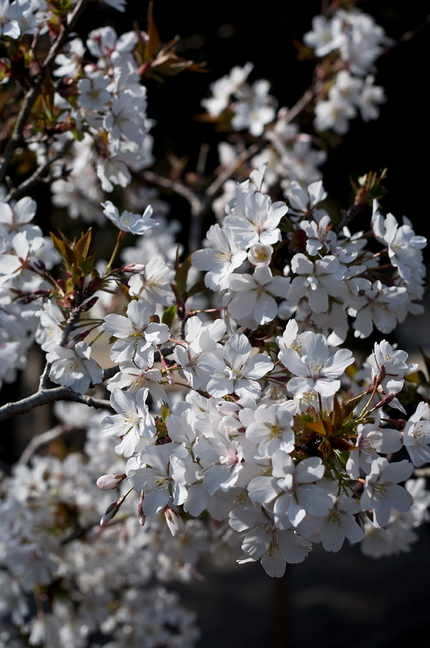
<point x="174" y="522"/>
<point x="140" y="514"/>
<point x="133" y="267"/>
<point x="110" y="513"/>
<point x="260" y="254"/>
<point x="108" y="482"/>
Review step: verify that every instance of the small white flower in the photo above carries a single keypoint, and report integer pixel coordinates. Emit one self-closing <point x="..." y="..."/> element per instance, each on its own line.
<point x="74" y="367"/>
<point x="259" y="223"/>
<point x="254" y="295"/>
<point x="152" y="474"/>
<point x="416" y="435"/>
<point x="315" y="370"/>
<point x="152" y="285"/>
<point x="136" y="334"/>
<point x="236" y="371"/>
<point x="132" y="421"/>
<point x="94" y="94"/>
<point x="382" y="492"/>
<point x="129" y="222"/>
<point x="220" y="259"/>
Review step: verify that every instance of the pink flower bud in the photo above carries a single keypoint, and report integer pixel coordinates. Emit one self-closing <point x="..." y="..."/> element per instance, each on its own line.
<point x="140" y="514"/>
<point x="110" y="513"/>
<point x="108" y="482"/>
<point x="133" y="267"/>
<point x="174" y="522"/>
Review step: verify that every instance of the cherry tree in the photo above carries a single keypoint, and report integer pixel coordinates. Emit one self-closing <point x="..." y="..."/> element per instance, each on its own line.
<point x="220" y="405"/>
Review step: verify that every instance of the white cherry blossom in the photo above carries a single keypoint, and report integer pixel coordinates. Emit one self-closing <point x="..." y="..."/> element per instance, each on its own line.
<point x="152" y="284"/>
<point x="339" y="523"/>
<point x="152" y="474"/>
<point x="416" y="435"/>
<point x="220" y="258"/>
<point x="382" y="492"/>
<point x="264" y="541"/>
<point x="317" y="280"/>
<point x="254" y="295"/>
<point x="292" y="488"/>
<point x="235" y="372"/>
<point x="136" y="334"/>
<point x="129" y="222"/>
<point x="315" y="370"/>
<point x="271" y="429"/>
<point x="131" y="422"/>
<point x="259" y="223"/>
<point x="74" y="367"/>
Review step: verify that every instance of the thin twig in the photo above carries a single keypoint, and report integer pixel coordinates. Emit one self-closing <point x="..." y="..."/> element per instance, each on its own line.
<point x="36" y="177"/>
<point x="196" y="203"/>
<point x="177" y="187"/>
<point x="299" y="106"/>
<point x="70" y="324"/>
<point x="110" y="372"/>
<point x="216" y="185"/>
<point x="44" y="378"/>
<point x="41" y="440"/>
<point x="413" y="32"/>
<point x="201" y="162"/>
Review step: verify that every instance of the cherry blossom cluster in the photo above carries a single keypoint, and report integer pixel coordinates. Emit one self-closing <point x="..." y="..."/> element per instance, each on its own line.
<point x="261" y="450"/>
<point x="226" y="418"/>
<point x="25" y="255"/>
<point x="348" y="42"/>
<point x="277" y="440"/>
<point x="280" y="440"/>
<point x="289" y="154"/>
<point x="82" y="579"/>
<point x="109" y="99"/>
<point x="331" y="277"/>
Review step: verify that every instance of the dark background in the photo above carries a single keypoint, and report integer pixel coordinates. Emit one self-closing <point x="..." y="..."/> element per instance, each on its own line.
<point x="224" y="34"/>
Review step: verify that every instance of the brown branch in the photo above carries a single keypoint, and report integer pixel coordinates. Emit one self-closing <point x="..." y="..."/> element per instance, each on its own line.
<point x="45" y="396"/>
<point x="177" y="187"/>
<point x="412" y="32"/>
<point x="36" y="177"/>
<point x="299" y="106"/>
<point x="42" y="439"/>
<point x="216" y="185"/>
<point x="196" y="203"/>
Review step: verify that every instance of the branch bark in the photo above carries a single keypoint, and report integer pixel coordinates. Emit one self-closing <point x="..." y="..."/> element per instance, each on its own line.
<point x="42" y="439"/>
<point x="45" y="396"/>
<point x="37" y="177"/>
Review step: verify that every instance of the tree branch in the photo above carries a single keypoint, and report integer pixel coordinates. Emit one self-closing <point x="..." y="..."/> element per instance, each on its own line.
<point x="177" y="187"/>
<point x="45" y="396"/>
<point x="42" y="439"/>
<point x="200" y="205"/>
<point x="299" y="106"/>
<point x="37" y="176"/>
<point x="216" y="185"/>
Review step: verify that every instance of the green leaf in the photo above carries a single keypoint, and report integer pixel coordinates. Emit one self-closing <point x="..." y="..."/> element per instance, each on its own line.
<point x="82" y="246"/>
<point x="349" y="406"/>
<point x="197" y="288"/>
<point x="182" y="275"/>
<point x="169" y="315"/>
